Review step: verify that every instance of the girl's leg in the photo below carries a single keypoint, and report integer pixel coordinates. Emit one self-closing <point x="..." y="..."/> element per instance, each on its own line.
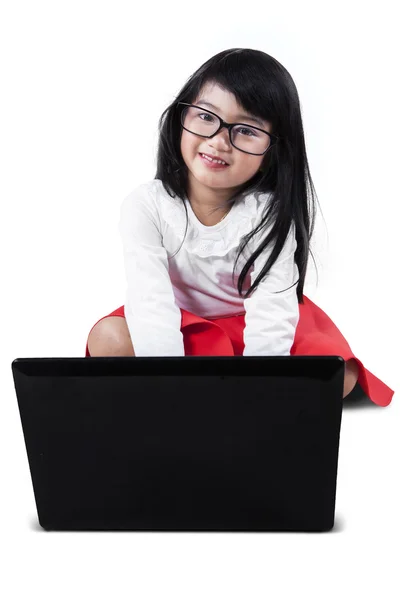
<point x="350" y="376"/>
<point x="110" y="337"/>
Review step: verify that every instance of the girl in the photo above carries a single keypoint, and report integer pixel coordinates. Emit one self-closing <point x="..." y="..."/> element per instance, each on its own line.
<point x="216" y="245"/>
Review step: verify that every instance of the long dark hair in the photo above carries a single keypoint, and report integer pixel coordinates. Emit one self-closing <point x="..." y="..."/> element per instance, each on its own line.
<point x="262" y="86"/>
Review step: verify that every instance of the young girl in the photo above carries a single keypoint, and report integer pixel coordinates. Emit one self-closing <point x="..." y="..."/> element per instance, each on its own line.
<point x="216" y="245"/>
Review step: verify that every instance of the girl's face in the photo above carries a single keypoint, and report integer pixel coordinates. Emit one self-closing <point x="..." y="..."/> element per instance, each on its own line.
<point x="241" y="166"/>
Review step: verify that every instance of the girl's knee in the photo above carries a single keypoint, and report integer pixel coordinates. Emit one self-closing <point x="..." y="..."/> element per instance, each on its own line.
<point x="110" y="337"/>
<point x="350" y="376"/>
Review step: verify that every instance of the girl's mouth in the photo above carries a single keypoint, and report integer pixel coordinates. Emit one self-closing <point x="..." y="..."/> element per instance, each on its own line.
<point x="211" y="164"/>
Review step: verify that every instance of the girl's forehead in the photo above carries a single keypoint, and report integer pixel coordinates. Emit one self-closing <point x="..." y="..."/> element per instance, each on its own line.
<point x="218" y="97"/>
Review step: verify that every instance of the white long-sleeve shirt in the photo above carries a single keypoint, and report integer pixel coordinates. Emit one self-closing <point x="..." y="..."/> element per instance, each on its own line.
<point x="198" y="278"/>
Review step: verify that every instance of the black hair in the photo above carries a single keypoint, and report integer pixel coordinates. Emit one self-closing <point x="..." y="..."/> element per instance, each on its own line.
<point x="264" y="88"/>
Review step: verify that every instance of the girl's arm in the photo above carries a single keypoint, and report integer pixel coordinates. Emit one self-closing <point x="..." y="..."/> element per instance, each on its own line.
<point x="271" y="319"/>
<point x="152" y="315"/>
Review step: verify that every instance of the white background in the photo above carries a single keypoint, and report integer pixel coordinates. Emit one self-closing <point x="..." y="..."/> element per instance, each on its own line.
<point x="83" y="85"/>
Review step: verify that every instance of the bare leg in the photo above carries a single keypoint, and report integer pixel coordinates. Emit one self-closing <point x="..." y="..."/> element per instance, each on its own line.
<point x="110" y="337"/>
<point x="350" y="376"/>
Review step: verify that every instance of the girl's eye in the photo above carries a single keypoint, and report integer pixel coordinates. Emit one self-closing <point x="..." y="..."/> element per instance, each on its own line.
<point x="248" y="132"/>
<point x="210" y="117"/>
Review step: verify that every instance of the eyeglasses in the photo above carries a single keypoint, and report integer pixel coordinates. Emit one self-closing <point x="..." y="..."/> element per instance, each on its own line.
<point x="243" y="136"/>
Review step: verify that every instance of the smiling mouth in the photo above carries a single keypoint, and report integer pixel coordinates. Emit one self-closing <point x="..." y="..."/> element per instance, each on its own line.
<point x="215" y="161"/>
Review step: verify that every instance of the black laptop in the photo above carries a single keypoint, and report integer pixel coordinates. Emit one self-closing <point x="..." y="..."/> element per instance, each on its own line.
<point x="193" y="443"/>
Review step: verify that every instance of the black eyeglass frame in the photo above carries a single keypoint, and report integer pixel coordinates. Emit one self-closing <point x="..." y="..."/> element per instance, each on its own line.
<point x="274" y="138"/>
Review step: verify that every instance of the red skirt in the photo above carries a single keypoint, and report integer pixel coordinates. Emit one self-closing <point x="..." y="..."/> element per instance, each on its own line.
<point x="316" y="335"/>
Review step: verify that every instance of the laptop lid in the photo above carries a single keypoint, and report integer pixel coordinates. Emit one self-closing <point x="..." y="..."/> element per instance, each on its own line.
<point x="182" y="443"/>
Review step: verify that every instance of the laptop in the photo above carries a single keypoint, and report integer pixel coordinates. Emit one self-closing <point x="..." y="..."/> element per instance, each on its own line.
<point x="194" y="443"/>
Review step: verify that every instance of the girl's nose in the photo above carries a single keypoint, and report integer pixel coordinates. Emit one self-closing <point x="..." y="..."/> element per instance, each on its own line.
<point x="221" y="139"/>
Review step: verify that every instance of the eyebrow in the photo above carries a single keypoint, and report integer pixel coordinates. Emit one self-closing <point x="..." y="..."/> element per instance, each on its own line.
<point x="245" y="117"/>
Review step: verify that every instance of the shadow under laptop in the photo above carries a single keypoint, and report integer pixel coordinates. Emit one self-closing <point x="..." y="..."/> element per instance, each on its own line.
<point x="338" y="527"/>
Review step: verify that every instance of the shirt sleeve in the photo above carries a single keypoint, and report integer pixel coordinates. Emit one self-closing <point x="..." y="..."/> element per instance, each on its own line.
<point x="271" y="319"/>
<point x="152" y="315"/>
